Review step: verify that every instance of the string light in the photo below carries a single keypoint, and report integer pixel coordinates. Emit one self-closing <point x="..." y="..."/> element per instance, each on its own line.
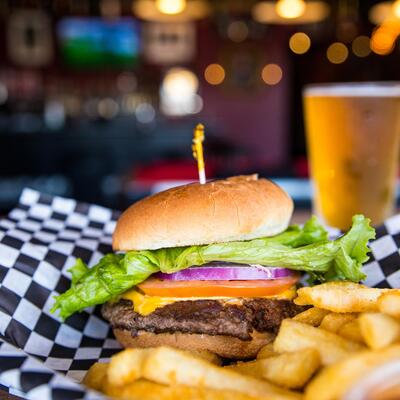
<point x="171" y="7"/>
<point x="337" y="53"/>
<point x="272" y="74"/>
<point x="299" y="43"/>
<point x="214" y="74"/>
<point x="290" y="8"/>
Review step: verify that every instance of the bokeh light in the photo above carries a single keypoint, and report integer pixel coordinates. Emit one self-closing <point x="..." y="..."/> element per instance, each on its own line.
<point x="383" y="39"/>
<point x="179" y="92"/>
<point x="214" y="74"/>
<point x="396" y="8"/>
<point x="290" y="8"/>
<point x="337" y="53"/>
<point x="272" y="74"/>
<point x="299" y="43"/>
<point x="361" y="46"/>
<point x="237" y="31"/>
<point x="171" y="7"/>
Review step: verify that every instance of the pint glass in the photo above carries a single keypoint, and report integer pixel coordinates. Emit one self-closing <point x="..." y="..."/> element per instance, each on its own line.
<point x="353" y="132"/>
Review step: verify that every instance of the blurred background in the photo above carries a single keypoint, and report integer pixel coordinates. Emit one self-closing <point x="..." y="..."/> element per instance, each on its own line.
<point x="99" y="98"/>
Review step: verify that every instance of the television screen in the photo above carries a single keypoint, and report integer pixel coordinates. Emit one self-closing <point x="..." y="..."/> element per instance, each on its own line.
<point x="96" y="42"/>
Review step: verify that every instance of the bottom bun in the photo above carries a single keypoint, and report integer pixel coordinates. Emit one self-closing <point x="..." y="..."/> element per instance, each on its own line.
<point x="224" y="346"/>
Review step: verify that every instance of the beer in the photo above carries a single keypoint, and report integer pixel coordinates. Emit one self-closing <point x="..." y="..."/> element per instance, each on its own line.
<point x="353" y="133"/>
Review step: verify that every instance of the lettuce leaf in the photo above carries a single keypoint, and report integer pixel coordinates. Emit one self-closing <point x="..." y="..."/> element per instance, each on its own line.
<point x="304" y="249"/>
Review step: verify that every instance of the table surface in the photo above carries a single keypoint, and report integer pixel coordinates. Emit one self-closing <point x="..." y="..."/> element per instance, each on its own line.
<point x="299" y="217"/>
<point x="6" y="396"/>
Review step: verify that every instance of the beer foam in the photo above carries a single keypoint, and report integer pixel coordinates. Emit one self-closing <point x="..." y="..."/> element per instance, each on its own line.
<point x="384" y="89"/>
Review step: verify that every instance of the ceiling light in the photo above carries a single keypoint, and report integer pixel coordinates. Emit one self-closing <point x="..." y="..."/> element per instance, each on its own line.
<point x="290" y="8"/>
<point x="171" y="7"/>
<point x="266" y="12"/>
<point x="151" y="10"/>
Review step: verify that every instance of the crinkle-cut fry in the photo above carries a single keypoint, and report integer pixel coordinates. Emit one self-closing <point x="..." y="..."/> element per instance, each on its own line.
<point x="335" y="380"/>
<point x="96" y="376"/>
<point x="379" y="330"/>
<point x="313" y="316"/>
<point x="340" y="297"/>
<point x="351" y="331"/>
<point x="146" y="390"/>
<point x="332" y="322"/>
<point x="166" y="365"/>
<point x="389" y="303"/>
<point x="293" y="336"/>
<point x="291" y="370"/>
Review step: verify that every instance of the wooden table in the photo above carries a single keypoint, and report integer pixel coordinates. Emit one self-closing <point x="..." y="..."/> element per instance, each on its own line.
<point x="6" y="396"/>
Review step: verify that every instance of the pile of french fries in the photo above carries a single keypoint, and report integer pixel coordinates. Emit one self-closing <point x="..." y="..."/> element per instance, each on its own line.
<point x="321" y="354"/>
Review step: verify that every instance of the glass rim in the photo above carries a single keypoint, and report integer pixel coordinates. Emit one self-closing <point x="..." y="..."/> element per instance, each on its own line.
<point x="353" y="89"/>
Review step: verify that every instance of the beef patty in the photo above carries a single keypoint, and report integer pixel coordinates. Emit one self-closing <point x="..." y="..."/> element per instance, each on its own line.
<point x="211" y="317"/>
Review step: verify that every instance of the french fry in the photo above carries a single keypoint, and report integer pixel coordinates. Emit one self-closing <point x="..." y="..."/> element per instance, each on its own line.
<point x="126" y="366"/>
<point x="146" y="390"/>
<point x="352" y="331"/>
<point x="254" y="368"/>
<point x="332" y="322"/>
<point x="340" y="297"/>
<point x="379" y="330"/>
<point x="290" y="370"/>
<point x="266" y="351"/>
<point x="96" y="376"/>
<point x="389" y="303"/>
<point x="293" y="336"/>
<point x="174" y="367"/>
<point x="334" y="381"/>
<point x="208" y="356"/>
<point x="313" y="316"/>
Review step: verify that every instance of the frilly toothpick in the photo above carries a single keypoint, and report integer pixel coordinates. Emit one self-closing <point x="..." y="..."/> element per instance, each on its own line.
<point x="197" y="148"/>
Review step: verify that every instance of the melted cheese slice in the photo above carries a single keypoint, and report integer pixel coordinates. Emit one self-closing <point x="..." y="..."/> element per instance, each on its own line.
<point x="145" y="305"/>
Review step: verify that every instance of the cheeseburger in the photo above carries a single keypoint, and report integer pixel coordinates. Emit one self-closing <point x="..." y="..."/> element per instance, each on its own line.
<point x="211" y="267"/>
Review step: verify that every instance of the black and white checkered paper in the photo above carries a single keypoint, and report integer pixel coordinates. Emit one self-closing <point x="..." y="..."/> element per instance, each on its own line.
<point x="42" y="358"/>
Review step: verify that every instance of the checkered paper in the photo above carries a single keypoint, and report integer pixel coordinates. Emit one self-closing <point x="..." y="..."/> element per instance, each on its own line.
<point x="39" y="241"/>
<point x="42" y="358"/>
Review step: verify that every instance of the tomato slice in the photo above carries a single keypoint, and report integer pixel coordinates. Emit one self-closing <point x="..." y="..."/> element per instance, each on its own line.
<point x="251" y="288"/>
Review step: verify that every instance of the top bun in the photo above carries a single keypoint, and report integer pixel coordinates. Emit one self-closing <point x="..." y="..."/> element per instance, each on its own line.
<point x="237" y="208"/>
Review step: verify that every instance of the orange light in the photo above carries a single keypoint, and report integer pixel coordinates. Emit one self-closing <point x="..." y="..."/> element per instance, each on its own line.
<point x="272" y="74"/>
<point x="299" y="43"/>
<point x="384" y="37"/>
<point x="214" y="74"/>
<point x="337" y="53"/>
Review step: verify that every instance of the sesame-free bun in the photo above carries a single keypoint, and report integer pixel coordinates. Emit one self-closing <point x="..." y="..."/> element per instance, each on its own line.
<point x="224" y="346"/>
<point x="237" y="208"/>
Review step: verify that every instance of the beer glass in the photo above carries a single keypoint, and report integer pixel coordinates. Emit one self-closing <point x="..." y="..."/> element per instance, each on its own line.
<point x="353" y="132"/>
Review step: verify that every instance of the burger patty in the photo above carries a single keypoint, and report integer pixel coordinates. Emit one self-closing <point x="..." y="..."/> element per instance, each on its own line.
<point x="211" y="317"/>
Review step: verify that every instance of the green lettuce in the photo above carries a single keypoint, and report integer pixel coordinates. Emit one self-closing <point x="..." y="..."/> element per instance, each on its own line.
<point x="304" y="248"/>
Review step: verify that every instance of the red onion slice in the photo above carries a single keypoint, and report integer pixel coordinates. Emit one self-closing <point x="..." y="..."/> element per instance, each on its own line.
<point x="218" y="271"/>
